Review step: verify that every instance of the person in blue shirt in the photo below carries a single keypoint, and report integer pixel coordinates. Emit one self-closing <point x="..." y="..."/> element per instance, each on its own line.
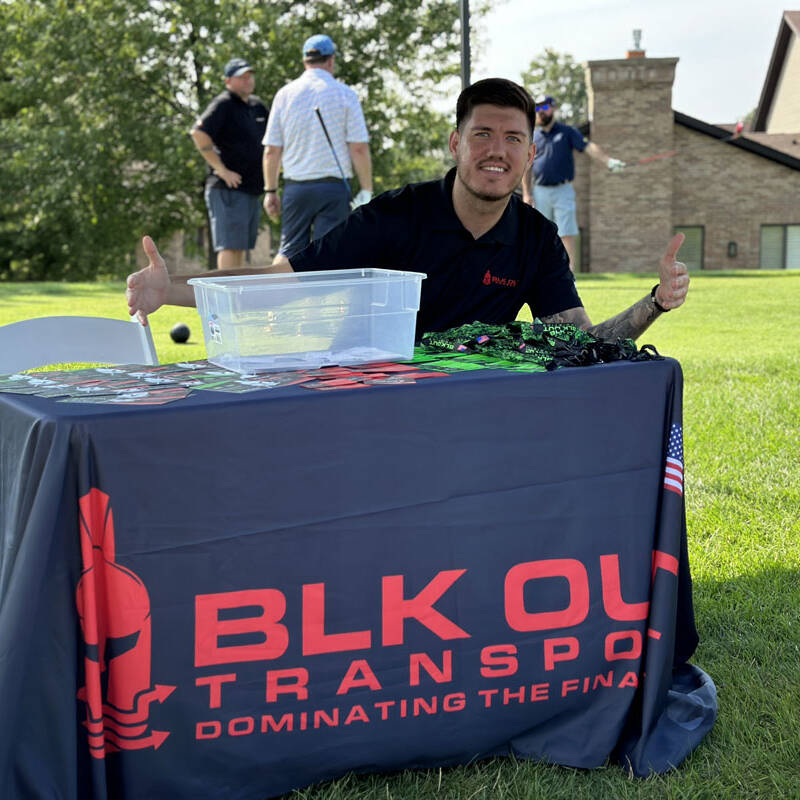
<point x="554" y="169"/>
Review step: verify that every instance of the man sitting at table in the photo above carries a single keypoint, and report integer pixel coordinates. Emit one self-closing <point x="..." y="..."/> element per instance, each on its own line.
<point x="485" y="252"/>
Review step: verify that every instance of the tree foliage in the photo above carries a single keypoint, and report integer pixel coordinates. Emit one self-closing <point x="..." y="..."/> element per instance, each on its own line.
<point x="97" y="98"/>
<point x="557" y="74"/>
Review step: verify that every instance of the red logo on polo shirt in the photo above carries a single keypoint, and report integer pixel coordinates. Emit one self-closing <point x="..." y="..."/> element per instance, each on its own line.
<point x="489" y="279"/>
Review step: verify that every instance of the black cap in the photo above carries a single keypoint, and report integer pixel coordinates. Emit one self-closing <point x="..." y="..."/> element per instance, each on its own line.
<point x="236" y="67"/>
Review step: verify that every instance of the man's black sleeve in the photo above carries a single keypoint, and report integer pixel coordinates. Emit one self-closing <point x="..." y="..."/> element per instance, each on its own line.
<point x="212" y="120"/>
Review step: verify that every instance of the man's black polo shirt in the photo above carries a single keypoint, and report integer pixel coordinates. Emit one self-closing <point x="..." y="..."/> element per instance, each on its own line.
<point x="237" y="128"/>
<point x="520" y="260"/>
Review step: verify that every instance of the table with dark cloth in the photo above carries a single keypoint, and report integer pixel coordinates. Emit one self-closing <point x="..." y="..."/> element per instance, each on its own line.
<point x="238" y="595"/>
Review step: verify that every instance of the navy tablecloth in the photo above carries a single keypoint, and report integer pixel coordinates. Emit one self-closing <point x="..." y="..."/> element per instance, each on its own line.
<point x="234" y="596"/>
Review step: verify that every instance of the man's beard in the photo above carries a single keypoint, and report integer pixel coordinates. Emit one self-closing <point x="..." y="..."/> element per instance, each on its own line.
<point x="545" y="119"/>
<point x="487" y="198"/>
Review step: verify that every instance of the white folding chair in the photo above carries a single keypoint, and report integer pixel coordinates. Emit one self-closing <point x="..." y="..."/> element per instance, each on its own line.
<point x="56" y="340"/>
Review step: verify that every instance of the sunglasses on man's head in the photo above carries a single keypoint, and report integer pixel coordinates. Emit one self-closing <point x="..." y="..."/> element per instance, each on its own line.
<point x="544" y="107"/>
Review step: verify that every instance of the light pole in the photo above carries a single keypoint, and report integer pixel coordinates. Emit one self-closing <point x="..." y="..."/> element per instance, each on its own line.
<point x="464" y="44"/>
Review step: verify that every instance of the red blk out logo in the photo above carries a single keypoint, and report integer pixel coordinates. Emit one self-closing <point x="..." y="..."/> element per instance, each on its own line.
<point x="489" y="279"/>
<point x="114" y="610"/>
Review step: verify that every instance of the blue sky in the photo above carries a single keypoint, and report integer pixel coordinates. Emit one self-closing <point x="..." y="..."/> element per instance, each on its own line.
<point x="724" y="47"/>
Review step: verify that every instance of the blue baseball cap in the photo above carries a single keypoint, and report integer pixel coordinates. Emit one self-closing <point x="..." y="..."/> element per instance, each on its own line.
<point x="319" y="46"/>
<point x="548" y="102"/>
<point x="236" y="67"/>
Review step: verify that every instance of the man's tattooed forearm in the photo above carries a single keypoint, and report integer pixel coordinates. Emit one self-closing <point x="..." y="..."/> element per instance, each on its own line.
<point x="575" y="316"/>
<point x="556" y="319"/>
<point x="629" y="324"/>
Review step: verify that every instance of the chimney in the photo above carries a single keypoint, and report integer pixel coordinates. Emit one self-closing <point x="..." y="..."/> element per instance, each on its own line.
<point x="630" y="111"/>
<point x="637" y="52"/>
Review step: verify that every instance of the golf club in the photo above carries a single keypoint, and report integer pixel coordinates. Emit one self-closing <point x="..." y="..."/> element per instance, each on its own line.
<point x="335" y="157"/>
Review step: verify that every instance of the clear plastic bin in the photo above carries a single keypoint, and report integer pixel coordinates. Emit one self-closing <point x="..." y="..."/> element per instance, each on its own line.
<point x="301" y="320"/>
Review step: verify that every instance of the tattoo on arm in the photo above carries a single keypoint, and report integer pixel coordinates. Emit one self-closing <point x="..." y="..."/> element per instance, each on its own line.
<point x="629" y="324"/>
<point x="575" y="316"/>
<point x="206" y="148"/>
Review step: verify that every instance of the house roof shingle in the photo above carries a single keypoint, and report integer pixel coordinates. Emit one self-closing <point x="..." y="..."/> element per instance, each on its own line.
<point x="788" y="143"/>
<point x="767" y="145"/>
<point x="783" y="148"/>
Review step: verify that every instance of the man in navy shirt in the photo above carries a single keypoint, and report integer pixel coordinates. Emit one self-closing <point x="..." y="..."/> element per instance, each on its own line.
<point x="485" y="252"/>
<point x="554" y="169"/>
<point x="228" y="135"/>
<point x="487" y="277"/>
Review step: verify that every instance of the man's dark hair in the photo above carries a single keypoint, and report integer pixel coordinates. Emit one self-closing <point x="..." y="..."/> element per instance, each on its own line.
<point x="315" y="59"/>
<point x="495" y="92"/>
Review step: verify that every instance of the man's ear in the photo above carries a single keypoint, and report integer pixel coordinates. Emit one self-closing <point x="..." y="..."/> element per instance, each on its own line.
<point x="531" y="153"/>
<point x="453" y="143"/>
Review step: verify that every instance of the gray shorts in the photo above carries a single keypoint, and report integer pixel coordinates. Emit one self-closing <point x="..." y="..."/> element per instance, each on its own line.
<point x="234" y="218"/>
<point x="557" y="203"/>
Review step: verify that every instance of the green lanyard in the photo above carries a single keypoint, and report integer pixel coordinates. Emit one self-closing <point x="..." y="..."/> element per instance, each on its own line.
<point x="548" y="344"/>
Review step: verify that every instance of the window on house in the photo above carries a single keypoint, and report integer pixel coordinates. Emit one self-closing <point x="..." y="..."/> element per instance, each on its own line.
<point x="780" y="247"/>
<point x="691" y="252"/>
<point x="793" y="247"/>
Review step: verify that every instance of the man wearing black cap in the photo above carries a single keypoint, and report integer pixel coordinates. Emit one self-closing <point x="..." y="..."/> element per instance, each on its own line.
<point x="317" y="132"/>
<point x="553" y="170"/>
<point x="228" y="135"/>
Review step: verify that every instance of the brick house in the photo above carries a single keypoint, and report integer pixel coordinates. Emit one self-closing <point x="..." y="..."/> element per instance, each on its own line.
<point x="735" y="196"/>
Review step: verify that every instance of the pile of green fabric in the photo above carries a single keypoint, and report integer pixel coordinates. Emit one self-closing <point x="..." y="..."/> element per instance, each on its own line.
<point x="548" y="344"/>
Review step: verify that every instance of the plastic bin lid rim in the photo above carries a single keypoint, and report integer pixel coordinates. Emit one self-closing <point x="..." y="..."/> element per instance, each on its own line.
<point x="373" y="272"/>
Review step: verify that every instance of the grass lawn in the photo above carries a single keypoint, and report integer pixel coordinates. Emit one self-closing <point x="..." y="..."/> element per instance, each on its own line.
<point x="735" y="339"/>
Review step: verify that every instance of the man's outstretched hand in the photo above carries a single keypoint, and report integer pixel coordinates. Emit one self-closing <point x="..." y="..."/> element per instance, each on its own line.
<point x="673" y="276"/>
<point x="147" y="289"/>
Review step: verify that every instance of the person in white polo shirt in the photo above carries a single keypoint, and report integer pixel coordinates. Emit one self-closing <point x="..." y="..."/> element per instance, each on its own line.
<point x="317" y="132"/>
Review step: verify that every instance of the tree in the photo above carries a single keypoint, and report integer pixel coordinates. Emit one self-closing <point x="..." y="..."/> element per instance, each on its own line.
<point x="557" y="74"/>
<point x="97" y="98"/>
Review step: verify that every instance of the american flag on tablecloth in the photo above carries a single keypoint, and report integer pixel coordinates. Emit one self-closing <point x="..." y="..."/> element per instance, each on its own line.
<point x="673" y="470"/>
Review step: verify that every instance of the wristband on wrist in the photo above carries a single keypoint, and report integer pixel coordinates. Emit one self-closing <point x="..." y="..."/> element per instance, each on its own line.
<point x="658" y="305"/>
<point x="270" y="191"/>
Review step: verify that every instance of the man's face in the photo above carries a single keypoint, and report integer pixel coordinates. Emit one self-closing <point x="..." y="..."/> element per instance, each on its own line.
<point x="545" y="114"/>
<point x="242" y="85"/>
<point x="492" y="150"/>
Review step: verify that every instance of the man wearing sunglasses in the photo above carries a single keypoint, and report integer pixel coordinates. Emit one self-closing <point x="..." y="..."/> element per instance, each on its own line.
<point x="553" y="170"/>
